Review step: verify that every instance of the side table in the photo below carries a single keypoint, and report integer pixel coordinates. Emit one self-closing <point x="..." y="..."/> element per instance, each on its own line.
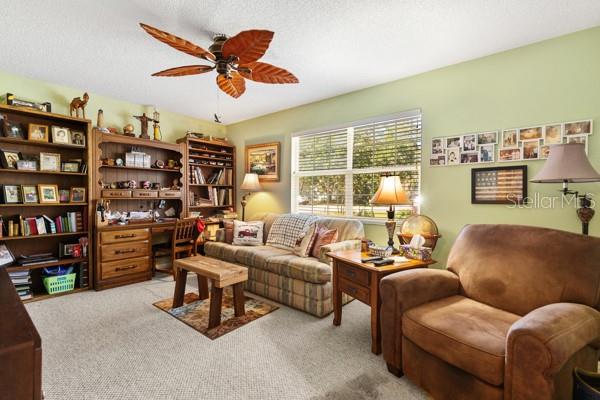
<point x="361" y="281"/>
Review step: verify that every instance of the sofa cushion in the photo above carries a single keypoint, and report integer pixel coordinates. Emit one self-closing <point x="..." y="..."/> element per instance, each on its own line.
<point x="323" y="237"/>
<point x="220" y="250"/>
<point x="307" y="269"/>
<point x="288" y="228"/>
<point x="463" y="332"/>
<point x="348" y="229"/>
<point x="257" y="256"/>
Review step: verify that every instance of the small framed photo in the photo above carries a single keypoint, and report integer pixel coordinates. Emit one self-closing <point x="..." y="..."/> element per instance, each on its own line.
<point x="30" y="194"/>
<point x="508" y="155"/>
<point x="487" y="138"/>
<point x="531" y="150"/>
<point x="11" y="194"/>
<point x="544" y="151"/>
<point x="469" y="158"/>
<point x="49" y="162"/>
<point x="499" y="185"/>
<point x="453" y="141"/>
<point x="486" y="153"/>
<point x="437" y="146"/>
<point x="453" y="155"/>
<point x="48" y="194"/>
<point x="578" y="128"/>
<point x="69" y="250"/>
<point x="27" y="165"/>
<point x="78" y="138"/>
<point x="510" y="139"/>
<point x="78" y="195"/>
<point x="9" y="158"/>
<point x="38" y="133"/>
<point x="12" y="129"/>
<point x="530" y="133"/>
<point x="437" y="160"/>
<point x="579" y="139"/>
<point x="69" y="166"/>
<point x="469" y="143"/>
<point x="64" y="195"/>
<point x="553" y="134"/>
<point x="61" y="135"/>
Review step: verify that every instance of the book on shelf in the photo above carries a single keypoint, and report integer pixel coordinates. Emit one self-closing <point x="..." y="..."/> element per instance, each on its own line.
<point x="221" y="197"/>
<point x="34" y="259"/>
<point x="18" y="225"/>
<point x="22" y="282"/>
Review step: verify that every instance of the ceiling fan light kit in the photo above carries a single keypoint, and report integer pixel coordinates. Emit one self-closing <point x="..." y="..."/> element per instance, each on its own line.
<point x="234" y="59"/>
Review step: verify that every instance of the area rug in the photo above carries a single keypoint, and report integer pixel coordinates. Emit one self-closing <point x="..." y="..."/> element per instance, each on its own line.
<point x="194" y="313"/>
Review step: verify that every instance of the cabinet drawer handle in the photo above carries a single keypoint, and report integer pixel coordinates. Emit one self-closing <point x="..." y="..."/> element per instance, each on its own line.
<point x="131" y="235"/>
<point x="125" y="268"/>
<point x="125" y="251"/>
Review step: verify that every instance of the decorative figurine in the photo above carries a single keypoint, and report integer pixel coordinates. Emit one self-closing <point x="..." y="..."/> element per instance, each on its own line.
<point x="128" y="130"/>
<point x="175" y="184"/>
<point x="100" y="122"/>
<point x="77" y="104"/>
<point x="157" y="132"/>
<point x="144" y="119"/>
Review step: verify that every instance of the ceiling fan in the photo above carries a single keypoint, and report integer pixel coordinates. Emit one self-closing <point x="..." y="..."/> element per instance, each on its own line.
<point x="233" y="58"/>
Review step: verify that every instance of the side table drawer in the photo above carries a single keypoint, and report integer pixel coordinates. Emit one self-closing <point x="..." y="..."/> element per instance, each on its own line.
<point x="358" y="292"/>
<point x="120" y="251"/>
<point x="115" y="269"/>
<point x="353" y="274"/>
<point x="125" y="235"/>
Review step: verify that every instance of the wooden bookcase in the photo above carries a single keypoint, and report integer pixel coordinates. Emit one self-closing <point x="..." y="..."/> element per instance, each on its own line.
<point x="123" y="252"/>
<point x="209" y="158"/>
<point x="47" y="243"/>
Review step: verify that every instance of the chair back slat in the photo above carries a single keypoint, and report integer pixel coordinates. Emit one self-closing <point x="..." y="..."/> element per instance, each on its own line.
<point x="184" y="230"/>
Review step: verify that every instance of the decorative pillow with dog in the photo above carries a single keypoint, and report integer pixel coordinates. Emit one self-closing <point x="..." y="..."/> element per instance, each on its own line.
<point x="248" y="233"/>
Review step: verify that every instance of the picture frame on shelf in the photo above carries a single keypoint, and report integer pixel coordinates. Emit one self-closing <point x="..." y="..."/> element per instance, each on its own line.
<point x="30" y="194"/>
<point x="453" y="141"/>
<point x="487" y="153"/>
<point x="48" y="193"/>
<point x="579" y="139"/>
<point x="510" y="155"/>
<point x="61" y="135"/>
<point x="9" y="158"/>
<point x="553" y="134"/>
<point x="265" y="161"/>
<point x="544" y="151"/>
<point x="469" y="143"/>
<point x="437" y="160"/>
<point x="531" y="149"/>
<point x="499" y="185"/>
<point x="50" y="162"/>
<point x="69" y="250"/>
<point x="12" y="130"/>
<point x="489" y="137"/>
<point x="64" y="195"/>
<point x="531" y="133"/>
<point x="510" y="139"/>
<point x="583" y="127"/>
<point x="69" y="166"/>
<point x="37" y="133"/>
<point x="27" y="165"/>
<point x="437" y="146"/>
<point x="453" y="155"/>
<point x="11" y="194"/>
<point x="77" y="138"/>
<point x="471" y="157"/>
<point x="77" y="195"/>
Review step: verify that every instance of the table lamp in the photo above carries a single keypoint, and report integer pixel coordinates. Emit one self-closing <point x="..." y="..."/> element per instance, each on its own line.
<point x="567" y="163"/>
<point x="390" y="193"/>
<point x="250" y="184"/>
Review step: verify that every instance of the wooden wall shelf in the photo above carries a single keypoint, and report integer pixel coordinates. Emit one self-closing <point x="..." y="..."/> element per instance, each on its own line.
<point x="65" y="261"/>
<point x="177" y="171"/>
<point x="23" y="171"/>
<point x="45" y="205"/>
<point x="82" y="233"/>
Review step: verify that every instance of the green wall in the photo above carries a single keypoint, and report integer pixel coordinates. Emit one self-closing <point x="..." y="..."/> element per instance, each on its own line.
<point x="554" y="80"/>
<point x="117" y="113"/>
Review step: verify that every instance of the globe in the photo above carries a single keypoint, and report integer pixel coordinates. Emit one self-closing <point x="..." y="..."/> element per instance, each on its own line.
<point x="419" y="225"/>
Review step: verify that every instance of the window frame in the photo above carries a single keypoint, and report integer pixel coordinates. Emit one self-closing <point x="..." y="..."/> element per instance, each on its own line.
<point x="349" y="171"/>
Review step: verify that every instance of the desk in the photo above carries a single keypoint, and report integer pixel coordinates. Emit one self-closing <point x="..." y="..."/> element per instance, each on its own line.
<point x="361" y="281"/>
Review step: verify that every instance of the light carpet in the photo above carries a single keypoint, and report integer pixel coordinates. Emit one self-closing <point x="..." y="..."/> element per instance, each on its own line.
<point x="115" y="344"/>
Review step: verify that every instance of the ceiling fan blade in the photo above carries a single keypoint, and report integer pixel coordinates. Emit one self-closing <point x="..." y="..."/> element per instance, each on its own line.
<point x="248" y="46"/>
<point x="235" y="87"/>
<point x="178" y="43"/>
<point x="267" y="73"/>
<point x="186" y="70"/>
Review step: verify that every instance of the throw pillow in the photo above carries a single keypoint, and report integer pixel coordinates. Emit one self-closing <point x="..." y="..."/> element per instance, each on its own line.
<point x="323" y="236"/>
<point x="228" y="226"/>
<point x="288" y="228"/>
<point x="304" y="244"/>
<point x="248" y="233"/>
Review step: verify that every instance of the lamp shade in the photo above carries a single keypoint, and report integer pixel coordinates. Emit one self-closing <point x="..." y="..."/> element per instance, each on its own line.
<point x="567" y="163"/>
<point x="251" y="183"/>
<point x="390" y="192"/>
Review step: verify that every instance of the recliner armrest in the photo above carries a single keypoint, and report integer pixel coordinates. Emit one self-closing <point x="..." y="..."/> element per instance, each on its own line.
<point x="540" y="343"/>
<point x="402" y="291"/>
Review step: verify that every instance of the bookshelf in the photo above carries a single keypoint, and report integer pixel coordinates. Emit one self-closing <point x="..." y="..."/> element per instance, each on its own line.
<point x="28" y="240"/>
<point x="210" y="183"/>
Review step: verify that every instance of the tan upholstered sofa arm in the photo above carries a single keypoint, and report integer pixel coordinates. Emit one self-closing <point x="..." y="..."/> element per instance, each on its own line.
<point x="540" y="343"/>
<point x="339" y="246"/>
<point x="402" y="291"/>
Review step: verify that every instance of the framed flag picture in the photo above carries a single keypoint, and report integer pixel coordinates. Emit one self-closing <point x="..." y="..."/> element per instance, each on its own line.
<point x="499" y="185"/>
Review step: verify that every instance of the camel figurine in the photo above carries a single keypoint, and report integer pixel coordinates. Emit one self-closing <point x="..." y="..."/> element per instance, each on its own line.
<point x="77" y="104"/>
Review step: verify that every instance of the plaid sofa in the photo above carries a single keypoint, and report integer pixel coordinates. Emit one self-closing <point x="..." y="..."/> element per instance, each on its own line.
<point x="303" y="283"/>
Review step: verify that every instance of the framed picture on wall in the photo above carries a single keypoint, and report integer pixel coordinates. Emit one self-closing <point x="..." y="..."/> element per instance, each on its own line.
<point x="264" y="160"/>
<point x="499" y="185"/>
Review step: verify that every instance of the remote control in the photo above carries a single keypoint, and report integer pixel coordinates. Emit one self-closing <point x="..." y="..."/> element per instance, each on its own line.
<point x="381" y="263"/>
<point x="370" y="259"/>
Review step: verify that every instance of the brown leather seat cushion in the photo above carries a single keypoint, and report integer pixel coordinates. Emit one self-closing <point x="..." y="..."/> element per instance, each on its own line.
<point x="463" y="332"/>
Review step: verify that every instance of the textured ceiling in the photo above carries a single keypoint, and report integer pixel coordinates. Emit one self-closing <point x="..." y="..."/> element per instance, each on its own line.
<point x="333" y="46"/>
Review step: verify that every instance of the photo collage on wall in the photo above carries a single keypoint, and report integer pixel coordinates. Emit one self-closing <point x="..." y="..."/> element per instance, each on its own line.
<point x="515" y="144"/>
<point x="472" y="148"/>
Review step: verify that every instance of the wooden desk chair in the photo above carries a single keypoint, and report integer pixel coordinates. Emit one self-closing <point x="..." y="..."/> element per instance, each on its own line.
<point x="183" y="242"/>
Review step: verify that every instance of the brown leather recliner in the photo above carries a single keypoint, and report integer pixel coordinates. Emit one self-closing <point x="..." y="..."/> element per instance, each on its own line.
<point x="514" y="313"/>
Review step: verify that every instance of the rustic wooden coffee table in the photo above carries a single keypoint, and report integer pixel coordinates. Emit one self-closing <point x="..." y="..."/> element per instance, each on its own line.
<point x="221" y="275"/>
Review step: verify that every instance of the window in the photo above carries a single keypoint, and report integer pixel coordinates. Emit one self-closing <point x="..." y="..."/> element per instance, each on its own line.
<point x="335" y="172"/>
